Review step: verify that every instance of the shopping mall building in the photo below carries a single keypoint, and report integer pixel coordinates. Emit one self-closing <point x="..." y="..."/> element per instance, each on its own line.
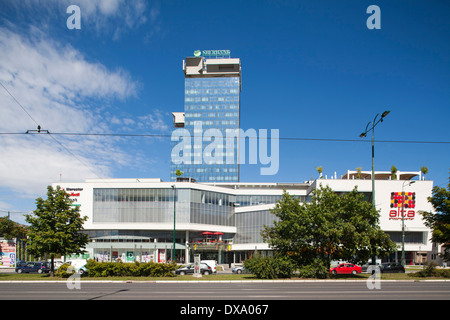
<point x="133" y="219"/>
<point x="218" y="216"/>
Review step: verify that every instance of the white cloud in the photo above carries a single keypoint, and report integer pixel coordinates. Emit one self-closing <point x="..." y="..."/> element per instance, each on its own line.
<point x="52" y="80"/>
<point x="63" y="92"/>
<point x="154" y="121"/>
<point x="104" y="17"/>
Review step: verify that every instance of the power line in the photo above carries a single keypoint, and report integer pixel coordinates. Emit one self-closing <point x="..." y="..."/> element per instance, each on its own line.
<point x="39" y="131"/>
<point x="168" y="136"/>
<point x="159" y="135"/>
<point x="23" y="108"/>
<point x="11" y="211"/>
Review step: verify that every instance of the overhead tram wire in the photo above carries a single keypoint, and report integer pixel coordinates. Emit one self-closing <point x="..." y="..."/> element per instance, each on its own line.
<point x="38" y="131"/>
<point x="20" y="105"/>
<point x="158" y="135"/>
<point x="168" y="135"/>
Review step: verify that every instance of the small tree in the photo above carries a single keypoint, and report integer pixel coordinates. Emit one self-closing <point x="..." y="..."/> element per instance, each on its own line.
<point x="394" y="172"/>
<point x="179" y="173"/>
<point x="424" y="170"/>
<point x="10" y="229"/>
<point x="319" y="170"/>
<point x="55" y="226"/>
<point x="439" y="221"/>
<point x="358" y="172"/>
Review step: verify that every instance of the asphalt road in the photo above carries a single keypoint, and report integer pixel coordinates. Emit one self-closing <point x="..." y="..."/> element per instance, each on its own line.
<point x="234" y="291"/>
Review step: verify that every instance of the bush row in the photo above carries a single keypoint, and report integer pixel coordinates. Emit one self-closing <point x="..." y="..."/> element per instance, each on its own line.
<point x="117" y="269"/>
<point x="136" y="269"/>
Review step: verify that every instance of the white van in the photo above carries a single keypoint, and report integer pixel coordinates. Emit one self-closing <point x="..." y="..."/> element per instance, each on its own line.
<point x="211" y="263"/>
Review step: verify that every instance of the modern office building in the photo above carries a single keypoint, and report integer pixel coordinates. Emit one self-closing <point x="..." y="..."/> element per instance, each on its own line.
<point x="132" y="219"/>
<point x="211" y="106"/>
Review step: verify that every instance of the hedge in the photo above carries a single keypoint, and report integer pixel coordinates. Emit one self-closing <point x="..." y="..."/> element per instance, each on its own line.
<point x="136" y="269"/>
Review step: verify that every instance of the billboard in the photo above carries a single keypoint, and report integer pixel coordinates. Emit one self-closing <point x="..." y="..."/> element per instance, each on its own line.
<point x="8" y="253"/>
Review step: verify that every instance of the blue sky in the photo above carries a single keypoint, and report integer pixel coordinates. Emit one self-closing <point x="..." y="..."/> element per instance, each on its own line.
<point x="311" y="69"/>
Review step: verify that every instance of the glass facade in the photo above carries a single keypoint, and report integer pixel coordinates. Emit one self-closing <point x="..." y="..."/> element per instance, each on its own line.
<point x="211" y="103"/>
<point x="196" y="207"/>
<point x="157" y="206"/>
<point x="250" y="224"/>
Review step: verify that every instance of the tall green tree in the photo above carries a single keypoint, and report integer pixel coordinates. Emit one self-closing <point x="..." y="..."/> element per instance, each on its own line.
<point x="330" y="227"/>
<point x="55" y="226"/>
<point x="439" y="220"/>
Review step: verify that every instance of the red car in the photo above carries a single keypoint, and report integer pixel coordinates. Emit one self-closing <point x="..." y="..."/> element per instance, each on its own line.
<point x="346" y="268"/>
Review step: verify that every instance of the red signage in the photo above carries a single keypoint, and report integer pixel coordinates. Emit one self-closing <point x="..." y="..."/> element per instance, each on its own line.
<point x="402" y="206"/>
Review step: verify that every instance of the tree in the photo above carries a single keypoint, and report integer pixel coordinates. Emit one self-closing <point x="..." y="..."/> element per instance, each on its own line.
<point x="439" y="221"/>
<point x="394" y="172"/>
<point x="55" y="226"/>
<point x="358" y="172"/>
<point x="10" y="229"/>
<point x="424" y="170"/>
<point x="330" y="227"/>
<point x="319" y="170"/>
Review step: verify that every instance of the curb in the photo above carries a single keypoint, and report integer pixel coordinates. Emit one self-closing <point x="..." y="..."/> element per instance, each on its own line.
<point x="216" y="281"/>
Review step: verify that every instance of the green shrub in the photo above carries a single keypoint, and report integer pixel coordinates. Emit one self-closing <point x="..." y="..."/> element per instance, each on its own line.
<point x="61" y="272"/>
<point x="316" y="270"/>
<point x="135" y="269"/>
<point x="270" y="267"/>
<point x="429" y="270"/>
<point x="442" y="273"/>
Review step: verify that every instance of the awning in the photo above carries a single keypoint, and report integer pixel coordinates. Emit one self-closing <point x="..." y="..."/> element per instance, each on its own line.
<point x="208" y="233"/>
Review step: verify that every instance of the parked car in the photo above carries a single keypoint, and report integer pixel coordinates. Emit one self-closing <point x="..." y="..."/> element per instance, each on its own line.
<point x="82" y="270"/>
<point x="39" y="267"/>
<point x="58" y="263"/>
<point x="239" y="270"/>
<point x="391" y="267"/>
<point x="211" y="263"/>
<point x="345" y="268"/>
<point x="189" y="269"/>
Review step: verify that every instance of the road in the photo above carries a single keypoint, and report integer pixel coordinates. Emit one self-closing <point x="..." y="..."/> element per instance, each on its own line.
<point x="234" y="291"/>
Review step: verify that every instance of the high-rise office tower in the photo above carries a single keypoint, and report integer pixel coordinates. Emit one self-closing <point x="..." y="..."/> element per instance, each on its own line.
<point x="211" y="106"/>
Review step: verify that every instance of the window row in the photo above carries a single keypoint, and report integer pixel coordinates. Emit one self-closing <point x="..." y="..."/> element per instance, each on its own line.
<point x="211" y="114"/>
<point x="215" y="122"/>
<point x="221" y="106"/>
<point x="211" y="82"/>
<point x="217" y="91"/>
<point x="212" y="99"/>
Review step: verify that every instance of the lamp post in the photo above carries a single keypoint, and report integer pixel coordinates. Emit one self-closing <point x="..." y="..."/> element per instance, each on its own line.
<point x="373" y="124"/>
<point x="174" y="210"/>
<point x="371" y="127"/>
<point x="403" y="222"/>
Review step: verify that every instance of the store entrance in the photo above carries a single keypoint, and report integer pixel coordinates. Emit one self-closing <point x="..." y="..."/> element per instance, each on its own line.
<point x="217" y="252"/>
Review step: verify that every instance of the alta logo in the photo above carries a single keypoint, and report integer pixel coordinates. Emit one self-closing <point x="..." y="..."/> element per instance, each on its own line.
<point x="402" y="203"/>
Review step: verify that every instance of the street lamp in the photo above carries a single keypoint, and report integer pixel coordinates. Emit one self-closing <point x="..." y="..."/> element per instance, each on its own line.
<point x="174" y="207"/>
<point x="373" y="124"/>
<point x="371" y="127"/>
<point x="403" y="221"/>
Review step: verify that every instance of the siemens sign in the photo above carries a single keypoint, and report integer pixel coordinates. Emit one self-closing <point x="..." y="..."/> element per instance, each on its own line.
<point x="212" y="53"/>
